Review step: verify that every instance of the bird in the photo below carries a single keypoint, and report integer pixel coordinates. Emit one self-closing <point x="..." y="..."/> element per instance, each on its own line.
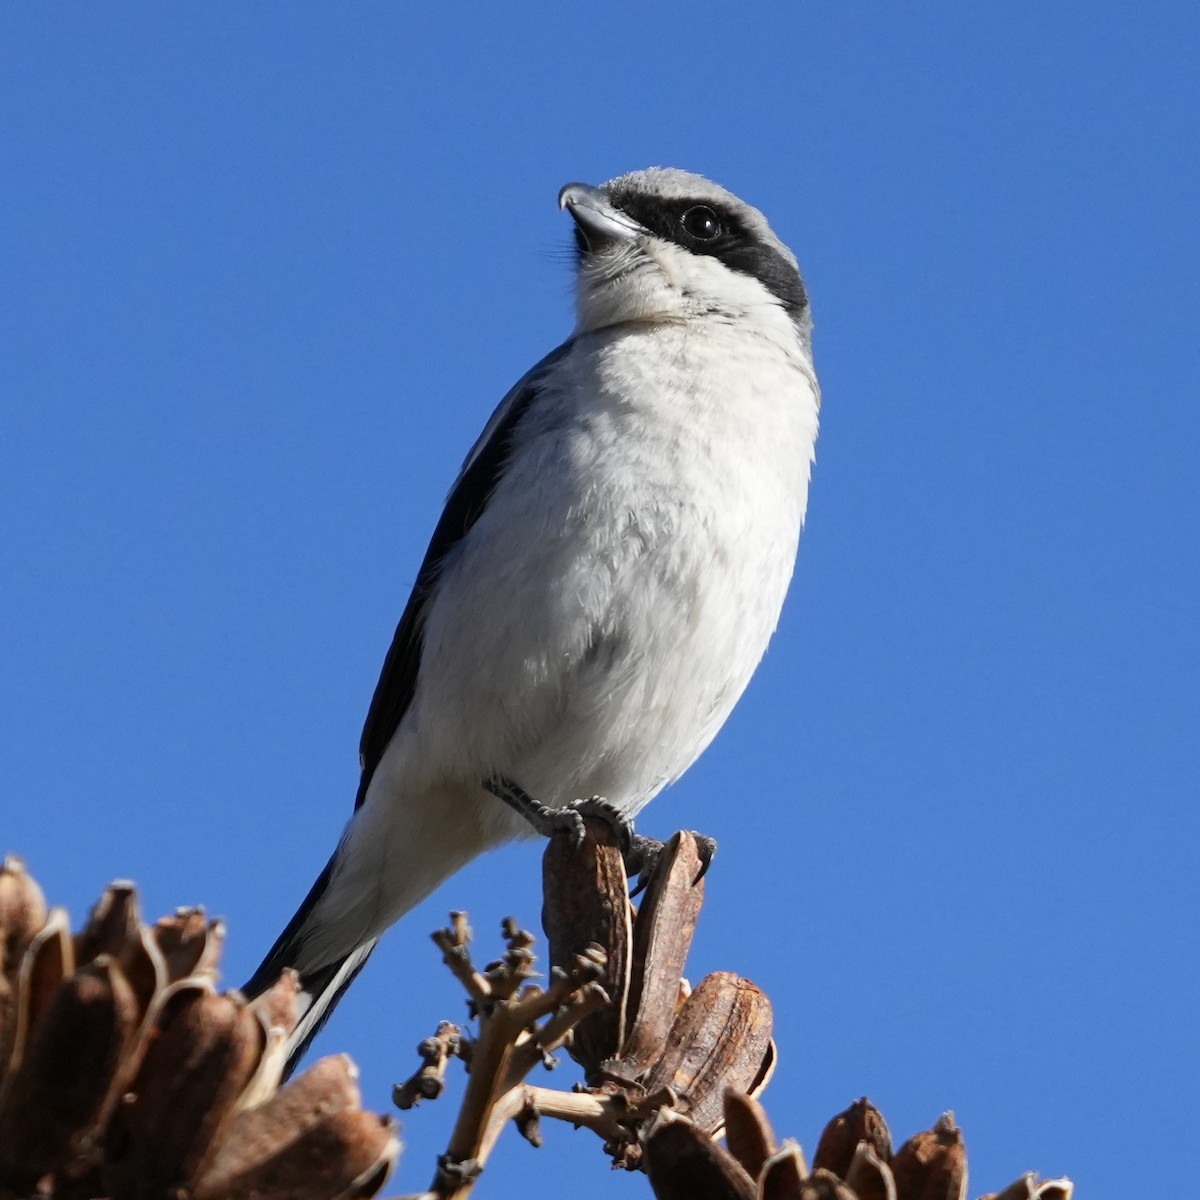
<point x="609" y="567"/>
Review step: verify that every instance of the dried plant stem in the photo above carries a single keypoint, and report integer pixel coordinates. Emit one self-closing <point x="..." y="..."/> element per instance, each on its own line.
<point x="509" y="1045"/>
<point x="504" y="1053"/>
<point x="529" y="1050"/>
<point x="456" y="956"/>
<point x="601" y="1114"/>
<point x="460" y="1166"/>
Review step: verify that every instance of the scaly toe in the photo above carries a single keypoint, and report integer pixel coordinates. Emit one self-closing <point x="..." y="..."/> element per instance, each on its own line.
<point x="600" y="809"/>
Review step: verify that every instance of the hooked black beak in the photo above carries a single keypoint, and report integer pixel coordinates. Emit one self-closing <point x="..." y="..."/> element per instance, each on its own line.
<point x="597" y="222"/>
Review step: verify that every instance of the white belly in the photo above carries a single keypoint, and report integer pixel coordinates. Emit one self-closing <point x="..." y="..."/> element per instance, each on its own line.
<point x="616" y="595"/>
<point x="600" y="620"/>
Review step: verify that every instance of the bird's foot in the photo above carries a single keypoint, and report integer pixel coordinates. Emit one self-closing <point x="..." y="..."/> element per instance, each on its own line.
<point x="642" y="857"/>
<point x="640" y="853"/>
<point x="548" y="821"/>
<point x="618" y="823"/>
<point x="545" y="821"/>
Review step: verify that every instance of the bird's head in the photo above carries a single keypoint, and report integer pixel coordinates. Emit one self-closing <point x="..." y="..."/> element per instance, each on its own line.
<point x="663" y="245"/>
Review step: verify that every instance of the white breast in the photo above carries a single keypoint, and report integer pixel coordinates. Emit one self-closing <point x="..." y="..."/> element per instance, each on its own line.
<point x="595" y="628"/>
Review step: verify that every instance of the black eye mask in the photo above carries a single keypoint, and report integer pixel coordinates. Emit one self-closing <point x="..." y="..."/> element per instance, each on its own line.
<point x="711" y="228"/>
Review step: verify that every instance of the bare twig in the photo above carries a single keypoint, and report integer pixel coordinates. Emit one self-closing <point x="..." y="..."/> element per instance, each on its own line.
<point x="453" y="944"/>
<point x="510" y="1043"/>
<point x="428" y="1082"/>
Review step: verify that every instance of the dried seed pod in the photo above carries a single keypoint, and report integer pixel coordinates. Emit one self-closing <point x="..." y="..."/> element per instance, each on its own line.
<point x="8" y="1022"/>
<point x="203" y="1052"/>
<point x="662" y="937"/>
<point x="932" y="1165"/>
<point x="277" y="1010"/>
<point x="47" y="961"/>
<point x="1054" y="1189"/>
<point x="54" y="1103"/>
<point x="861" y="1122"/>
<point x="720" y="1039"/>
<point x="191" y="944"/>
<point x="869" y="1176"/>
<point x="268" y="1075"/>
<point x="344" y="1154"/>
<point x="748" y="1133"/>
<point x="683" y="1164"/>
<point x="214" y="943"/>
<point x="824" y="1185"/>
<point x="123" y="1084"/>
<point x="783" y="1174"/>
<point x="22" y="911"/>
<point x="1028" y="1187"/>
<point x="758" y="1084"/>
<point x="278" y="1005"/>
<point x="264" y="1134"/>
<point x="113" y="924"/>
<point x="143" y="966"/>
<point x="585" y="901"/>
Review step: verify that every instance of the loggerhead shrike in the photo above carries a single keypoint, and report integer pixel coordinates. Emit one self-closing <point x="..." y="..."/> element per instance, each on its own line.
<point x="606" y="574"/>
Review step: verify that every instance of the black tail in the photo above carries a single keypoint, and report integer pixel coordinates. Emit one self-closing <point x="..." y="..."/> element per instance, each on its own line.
<point x="321" y="992"/>
<point x="320" y="989"/>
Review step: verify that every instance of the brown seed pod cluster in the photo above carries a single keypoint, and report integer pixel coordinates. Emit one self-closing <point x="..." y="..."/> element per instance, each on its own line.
<point x="853" y="1161"/>
<point x="657" y="1039"/>
<point x="125" y="1073"/>
<point x="616" y="1000"/>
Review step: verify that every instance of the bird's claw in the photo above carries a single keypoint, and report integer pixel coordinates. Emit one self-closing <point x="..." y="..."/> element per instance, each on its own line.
<point x="640" y="854"/>
<point x="561" y="820"/>
<point x="548" y="821"/>
<point x="545" y="820"/>
<point x="706" y="848"/>
<point x="599" y="809"/>
<point x="646" y="852"/>
<point x="642" y="860"/>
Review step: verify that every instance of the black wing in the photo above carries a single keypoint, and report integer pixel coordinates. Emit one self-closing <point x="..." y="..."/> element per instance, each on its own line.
<point x="481" y="472"/>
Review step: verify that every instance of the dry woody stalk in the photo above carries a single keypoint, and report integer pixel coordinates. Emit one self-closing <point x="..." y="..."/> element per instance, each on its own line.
<point x="616" y="1001"/>
<point x="668" y="1069"/>
<point x="126" y="1074"/>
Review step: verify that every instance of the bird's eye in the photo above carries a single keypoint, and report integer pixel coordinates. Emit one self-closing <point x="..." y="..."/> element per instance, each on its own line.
<point x="701" y="223"/>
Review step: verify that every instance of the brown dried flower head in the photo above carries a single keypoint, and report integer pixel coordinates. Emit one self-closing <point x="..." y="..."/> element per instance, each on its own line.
<point x="854" y="1161"/>
<point x="125" y="1073"/>
<point x="656" y="1037"/>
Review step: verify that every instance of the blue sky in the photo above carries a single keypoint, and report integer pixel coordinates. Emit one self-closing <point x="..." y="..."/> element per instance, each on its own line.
<point x="268" y="268"/>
